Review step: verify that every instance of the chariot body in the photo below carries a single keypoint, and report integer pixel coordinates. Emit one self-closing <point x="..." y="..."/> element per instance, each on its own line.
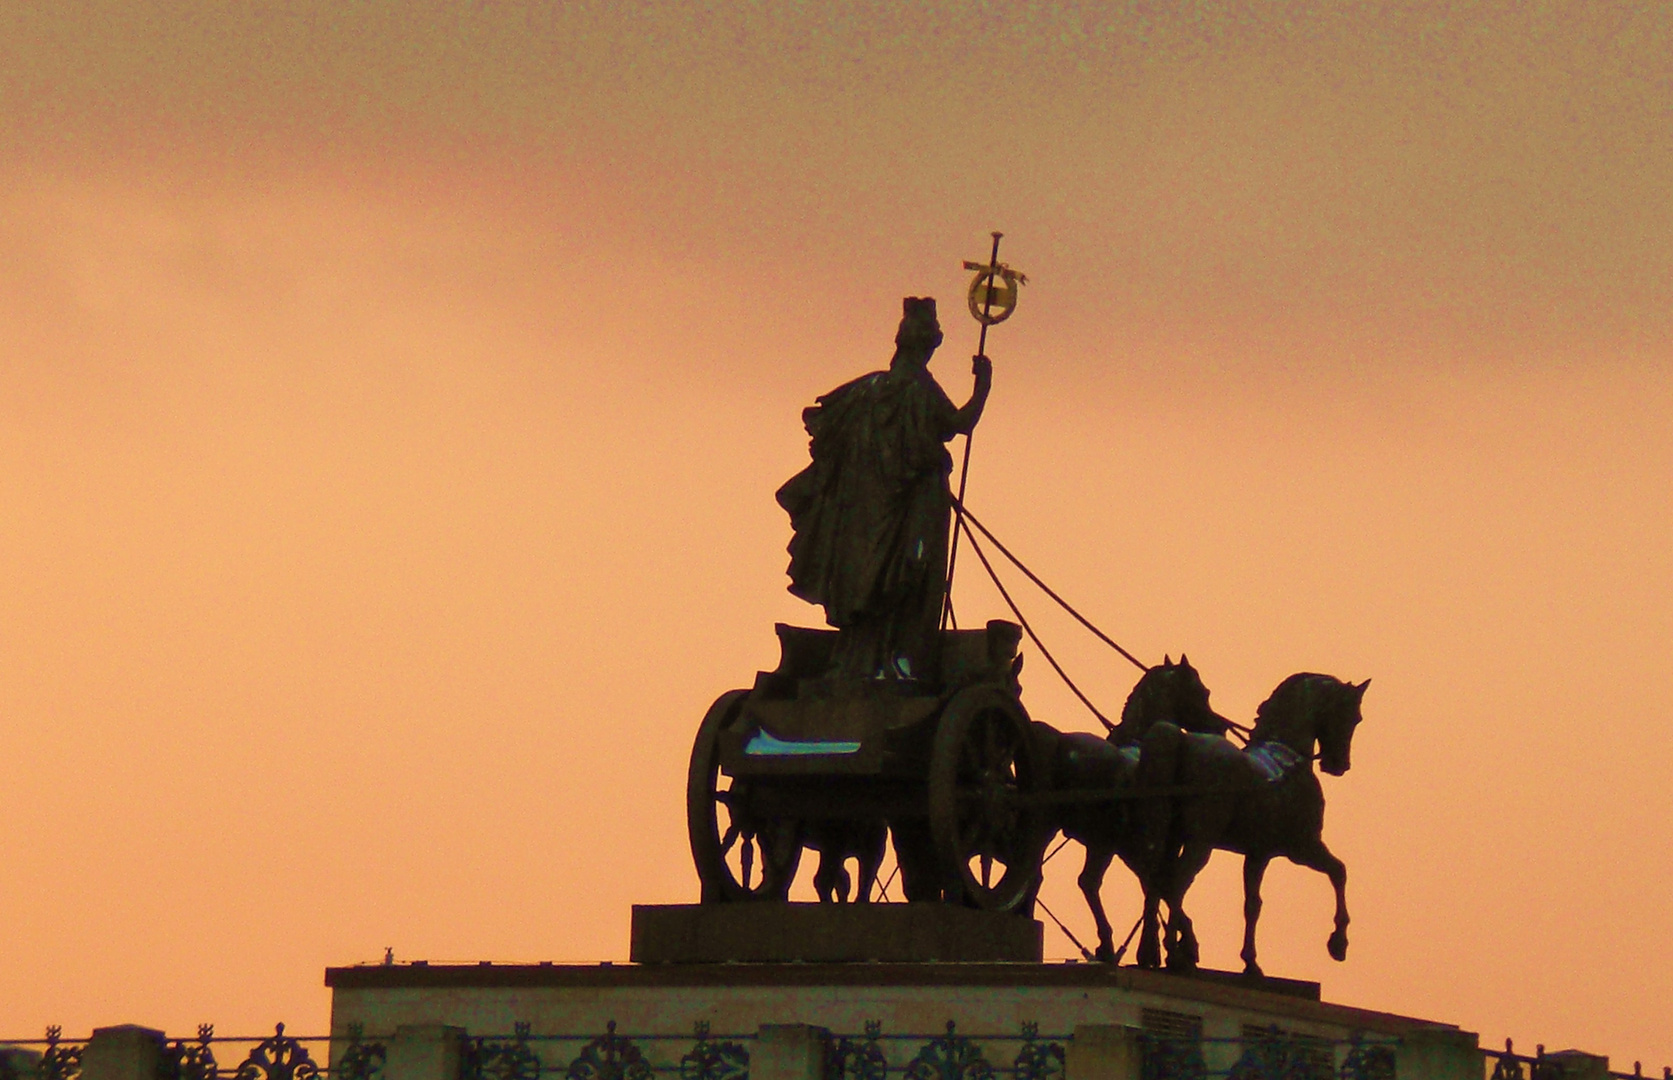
<point x="805" y="760"/>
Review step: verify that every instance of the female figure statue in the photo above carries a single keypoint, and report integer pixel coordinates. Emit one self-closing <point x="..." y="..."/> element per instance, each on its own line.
<point x="871" y="513"/>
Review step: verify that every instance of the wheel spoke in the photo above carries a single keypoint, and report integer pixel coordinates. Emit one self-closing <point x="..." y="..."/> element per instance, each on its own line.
<point x="748" y="858"/>
<point x="729" y="839"/>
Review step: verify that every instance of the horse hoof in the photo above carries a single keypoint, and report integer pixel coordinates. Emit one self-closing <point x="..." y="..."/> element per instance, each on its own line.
<point x="1148" y="958"/>
<point x="1252" y="970"/>
<point x="1105" y="954"/>
<point x="1338" y="946"/>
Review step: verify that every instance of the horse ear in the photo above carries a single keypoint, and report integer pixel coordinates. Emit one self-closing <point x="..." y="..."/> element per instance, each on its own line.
<point x="1361" y="688"/>
<point x="1183" y="662"/>
<point x="1165" y="661"/>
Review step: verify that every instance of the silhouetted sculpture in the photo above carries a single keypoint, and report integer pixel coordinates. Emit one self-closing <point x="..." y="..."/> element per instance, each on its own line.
<point x="871" y="513"/>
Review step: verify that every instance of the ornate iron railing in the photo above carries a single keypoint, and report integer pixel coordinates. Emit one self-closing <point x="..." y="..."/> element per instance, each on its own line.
<point x="1266" y="1054"/>
<point x="260" y="1057"/>
<point x="1507" y="1064"/>
<point x="1169" y="1054"/>
<point x="947" y="1055"/>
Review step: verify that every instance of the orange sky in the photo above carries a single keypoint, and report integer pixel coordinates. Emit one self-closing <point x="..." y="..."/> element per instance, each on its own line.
<point x="391" y="401"/>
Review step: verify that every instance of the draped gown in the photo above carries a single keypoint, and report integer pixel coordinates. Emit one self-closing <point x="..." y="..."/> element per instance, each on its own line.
<point x="870" y="516"/>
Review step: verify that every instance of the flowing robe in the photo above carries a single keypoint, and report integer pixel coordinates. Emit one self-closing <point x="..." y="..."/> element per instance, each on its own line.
<point x="870" y="517"/>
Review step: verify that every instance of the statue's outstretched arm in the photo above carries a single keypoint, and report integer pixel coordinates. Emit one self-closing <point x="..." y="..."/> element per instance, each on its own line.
<point x="964" y="421"/>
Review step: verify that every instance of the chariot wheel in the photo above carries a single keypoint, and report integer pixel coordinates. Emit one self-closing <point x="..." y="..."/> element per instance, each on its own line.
<point x="983" y="768"/>
<point x="740" y="853"/>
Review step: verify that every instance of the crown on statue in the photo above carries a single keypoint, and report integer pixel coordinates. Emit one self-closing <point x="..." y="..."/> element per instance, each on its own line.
<point x="918" y="321"/>
<point x="918" y="308"/>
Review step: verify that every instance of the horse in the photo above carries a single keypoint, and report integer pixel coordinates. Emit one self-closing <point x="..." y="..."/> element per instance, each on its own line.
<point x="837" y="840"/>
<point x="1130" y="829"/>
<point x="1261" y="802"/>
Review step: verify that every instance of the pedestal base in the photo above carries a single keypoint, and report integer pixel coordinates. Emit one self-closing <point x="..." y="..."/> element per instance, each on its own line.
<point x="830" y="934"/>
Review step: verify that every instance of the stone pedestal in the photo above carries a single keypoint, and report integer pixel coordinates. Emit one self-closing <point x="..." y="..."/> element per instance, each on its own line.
<point x="830" y="933"/>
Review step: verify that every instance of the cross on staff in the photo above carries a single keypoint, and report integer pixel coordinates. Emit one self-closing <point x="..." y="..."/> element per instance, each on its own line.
<point x="992" y="299"/>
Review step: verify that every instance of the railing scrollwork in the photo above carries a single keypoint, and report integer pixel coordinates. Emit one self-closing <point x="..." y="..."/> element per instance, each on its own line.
<point x="360" y="1060"/>
<point x="1273" y="1055"/>
<point x="183" y="1060"/>
<point x="1368" y="1061"/>
<point x="59" y="1061"/>
<point x="1168" y="1057"/>
<point x="610" y="1057"/>
<point x="488" y="1058"/>
<point x="714" y="1060"/>
<point x="950" y="1057"/>
<point x="1038" y="1060"/>
<point x="858" y="1059"/>
<point x="278" y="1058"/>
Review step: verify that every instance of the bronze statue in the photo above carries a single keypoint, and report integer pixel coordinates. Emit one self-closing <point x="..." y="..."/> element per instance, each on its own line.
<point x="871" y="514"/>
<point x="891" y="728"/>
<point x="1262" y="801"/>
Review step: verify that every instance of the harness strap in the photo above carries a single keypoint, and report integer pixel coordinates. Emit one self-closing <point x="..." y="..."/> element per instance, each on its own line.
<point x="1273" y="760"/>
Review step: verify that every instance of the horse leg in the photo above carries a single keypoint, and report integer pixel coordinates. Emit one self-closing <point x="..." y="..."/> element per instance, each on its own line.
<point x="1150" y="942"/>
<point x="1150" y="937"/>
<point x="920" y="878"/>
<point x="1182" y="936"/>
<point x="875" y="838"/>
<point x="828" y="878"/>
<point x="1315" y="856"/>
<point x="1091" y="885"/>
<point x="1254" y="869"/>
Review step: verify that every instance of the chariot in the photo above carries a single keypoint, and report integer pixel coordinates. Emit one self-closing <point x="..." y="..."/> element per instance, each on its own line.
<point x="949" y="768"/>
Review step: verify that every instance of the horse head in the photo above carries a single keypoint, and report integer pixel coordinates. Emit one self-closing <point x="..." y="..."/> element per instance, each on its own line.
<point x="1336" y="727"/>
<point x="1173" y="692"/>
<point x="1308" y="708"/>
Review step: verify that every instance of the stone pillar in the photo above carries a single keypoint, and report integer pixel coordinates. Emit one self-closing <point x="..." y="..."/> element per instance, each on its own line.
<point x="788" y="1052"/>
<point x="1439" y="1054"/>
<point x="424" y="1052"/>
<point x="18" y="1061"/>
<point x="1579" y="1065"/>
<point x="1108" y="1052"/>
<point x="125" y="1052"/>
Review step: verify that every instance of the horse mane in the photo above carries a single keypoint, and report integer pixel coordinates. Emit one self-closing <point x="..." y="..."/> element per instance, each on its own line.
<point x="1283" y="702"/>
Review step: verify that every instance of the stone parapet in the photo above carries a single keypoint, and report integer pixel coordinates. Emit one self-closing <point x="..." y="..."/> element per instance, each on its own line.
<point x="424" y="1052"/>
<point x="1435" y="1052"/>
<point x="789" y="1052"/>
<point x="1104" y="1052"/>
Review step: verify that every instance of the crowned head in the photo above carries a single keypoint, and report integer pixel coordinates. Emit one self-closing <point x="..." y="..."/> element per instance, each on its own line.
<point x="920" y="330"/>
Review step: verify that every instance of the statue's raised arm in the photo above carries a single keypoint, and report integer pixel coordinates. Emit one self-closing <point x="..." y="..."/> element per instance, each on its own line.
<point x="871" y="513"/>
<point x="965" y="419"/>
